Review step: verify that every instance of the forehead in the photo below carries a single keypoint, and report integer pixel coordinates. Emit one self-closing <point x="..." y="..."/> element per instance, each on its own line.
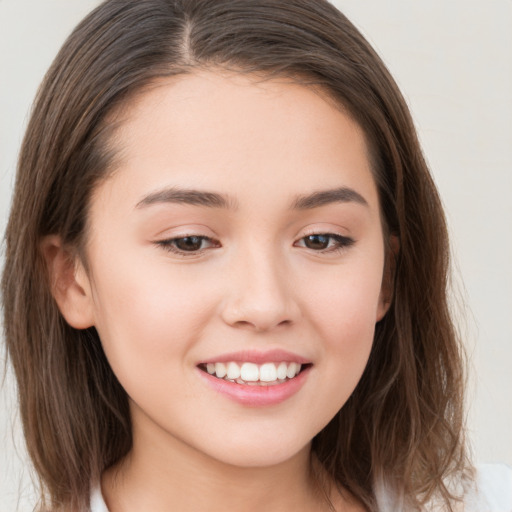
<point x="231" y="131"/>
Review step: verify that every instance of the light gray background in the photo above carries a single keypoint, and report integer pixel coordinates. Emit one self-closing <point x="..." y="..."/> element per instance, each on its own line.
<point x="453" y="60"/>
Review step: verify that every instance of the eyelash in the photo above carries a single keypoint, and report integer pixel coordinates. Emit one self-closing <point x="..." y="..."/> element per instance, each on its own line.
<point x="171" y="244"/>
<point x="340" y="243"/>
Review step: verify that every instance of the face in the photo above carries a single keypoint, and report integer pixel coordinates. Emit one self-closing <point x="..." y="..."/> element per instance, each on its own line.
<point x="239" y="233"/>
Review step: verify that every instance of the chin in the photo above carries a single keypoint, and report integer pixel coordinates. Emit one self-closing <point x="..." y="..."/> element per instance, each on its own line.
<point x="252" y="454"/>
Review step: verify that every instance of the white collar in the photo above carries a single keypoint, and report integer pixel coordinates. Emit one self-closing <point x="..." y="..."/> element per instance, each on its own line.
<point x="97" y="501"/>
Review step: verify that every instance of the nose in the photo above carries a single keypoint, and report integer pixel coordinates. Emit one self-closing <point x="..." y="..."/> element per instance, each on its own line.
<point x="260" y="293"/>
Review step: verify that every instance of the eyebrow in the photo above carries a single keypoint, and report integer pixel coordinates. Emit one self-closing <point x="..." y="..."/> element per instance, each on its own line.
<point x="215" y="200"/>
<point x="324" y="197"/>
<point x="187" y="196"/>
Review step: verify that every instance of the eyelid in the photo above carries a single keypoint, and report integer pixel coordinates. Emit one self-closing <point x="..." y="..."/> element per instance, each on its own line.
<point x="168" y="244"/>
<point x="181" y="230"/>
<point x="343" y="242"/>
<point x="337" y="242"/>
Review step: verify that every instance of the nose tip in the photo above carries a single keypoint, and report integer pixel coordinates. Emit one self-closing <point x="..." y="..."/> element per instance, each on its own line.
<point x="260" y="299"/>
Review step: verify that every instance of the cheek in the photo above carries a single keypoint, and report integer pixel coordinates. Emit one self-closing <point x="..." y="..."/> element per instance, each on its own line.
<point x="350" y="314"/>
<point x="147" y="315"/>
<point x="343" y="312"/>
<point x="348" y="326"/>
<point x="345" y="304"/>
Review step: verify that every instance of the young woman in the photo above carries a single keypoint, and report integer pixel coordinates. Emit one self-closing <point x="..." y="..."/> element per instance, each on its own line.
<point x="226" y="268"/>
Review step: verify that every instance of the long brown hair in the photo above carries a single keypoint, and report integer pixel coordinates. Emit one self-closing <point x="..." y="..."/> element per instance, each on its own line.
<point x="402" y="428"/>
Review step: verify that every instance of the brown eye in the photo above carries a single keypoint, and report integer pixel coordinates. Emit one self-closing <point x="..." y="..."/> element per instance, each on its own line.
<point x="325" y="242"/>
<point x="189" y="243"/>
<point x="317" y="242"/>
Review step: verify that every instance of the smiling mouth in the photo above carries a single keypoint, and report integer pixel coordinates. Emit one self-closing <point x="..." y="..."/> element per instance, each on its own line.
<point x="251" y="374"/>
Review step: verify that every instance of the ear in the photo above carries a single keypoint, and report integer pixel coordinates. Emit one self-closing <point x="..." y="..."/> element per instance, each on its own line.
<point x="388" y="277"/>
<point x="69" y="283"/>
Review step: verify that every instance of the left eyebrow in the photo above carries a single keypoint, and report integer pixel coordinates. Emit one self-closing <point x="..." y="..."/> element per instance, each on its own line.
<point x="324" y="197"/>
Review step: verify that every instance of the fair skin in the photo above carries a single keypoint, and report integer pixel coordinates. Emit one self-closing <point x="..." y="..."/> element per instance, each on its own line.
<point x="282" y="261"/>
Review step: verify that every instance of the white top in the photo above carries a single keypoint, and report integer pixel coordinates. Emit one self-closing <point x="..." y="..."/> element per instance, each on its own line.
<point x="97" y="501"/>
<point x="493" y="491"/>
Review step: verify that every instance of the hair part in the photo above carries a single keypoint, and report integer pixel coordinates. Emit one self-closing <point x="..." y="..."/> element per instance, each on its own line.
<point x="403" y="425"/>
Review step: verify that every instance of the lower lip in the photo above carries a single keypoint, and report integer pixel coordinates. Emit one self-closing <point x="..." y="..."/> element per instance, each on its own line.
<point x="256" y="396"/>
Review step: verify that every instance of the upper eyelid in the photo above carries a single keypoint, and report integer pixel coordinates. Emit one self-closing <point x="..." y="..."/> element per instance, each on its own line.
<point x="181" y="231"/>
<point x="311" y="232"/>
<point x="174" y="238"/>
<point x="324" y="232"/>
<point x="327" y="234"/>
<point x="307" y="231"/>
<point x="335" y="236"/>
<point x="332" y="234"/>
<point x="167" y="245"/>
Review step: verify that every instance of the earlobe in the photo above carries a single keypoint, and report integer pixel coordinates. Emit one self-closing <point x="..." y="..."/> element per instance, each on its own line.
<point x="388" y="277"/>
<point x="69" y="283"/>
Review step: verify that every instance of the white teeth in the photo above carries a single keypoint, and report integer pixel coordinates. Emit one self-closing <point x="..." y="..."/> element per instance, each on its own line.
<point x="282" y="370"/>
<point x="268" y="372"/>
<point x="250" y="373"/>
<point x="220" y="370"/>
<point x="233" y="371"/>
<point x="292" y="370"/>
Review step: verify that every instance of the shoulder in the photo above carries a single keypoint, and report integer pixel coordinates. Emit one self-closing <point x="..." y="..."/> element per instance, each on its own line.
<point x="492" y="490"/>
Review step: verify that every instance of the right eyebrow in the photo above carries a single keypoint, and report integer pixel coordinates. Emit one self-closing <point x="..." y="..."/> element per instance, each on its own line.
<point x="187" y="196"/>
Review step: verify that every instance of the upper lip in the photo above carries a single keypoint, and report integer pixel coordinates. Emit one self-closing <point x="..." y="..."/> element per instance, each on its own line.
<point x="258" y="357"/>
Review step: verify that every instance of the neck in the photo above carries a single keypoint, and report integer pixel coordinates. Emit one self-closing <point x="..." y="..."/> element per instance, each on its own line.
<point x="167" y="476"/>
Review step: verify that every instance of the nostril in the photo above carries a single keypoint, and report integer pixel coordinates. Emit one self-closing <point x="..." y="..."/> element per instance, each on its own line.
<point x="260" y="324"/>
<point x="243" y="323"/>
